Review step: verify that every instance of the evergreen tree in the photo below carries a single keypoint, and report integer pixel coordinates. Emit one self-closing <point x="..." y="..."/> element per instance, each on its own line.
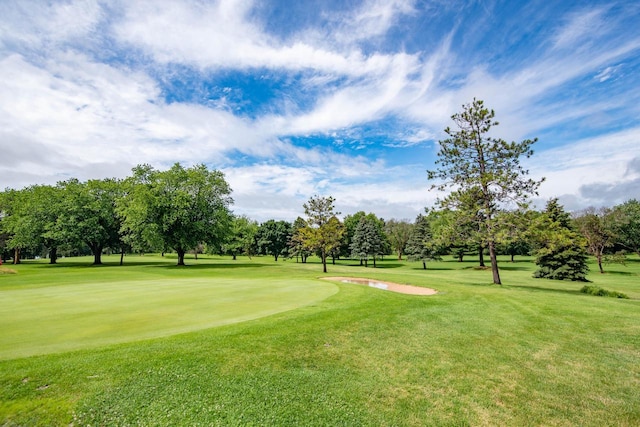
<point x="421" y="246"/>
<point x="367" y="241"/>
<point x="484" y="172"/>
<point x="561" y="251"/>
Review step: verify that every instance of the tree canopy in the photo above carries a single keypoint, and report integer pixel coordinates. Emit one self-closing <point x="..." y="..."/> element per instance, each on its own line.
<point x="178" y="208"/>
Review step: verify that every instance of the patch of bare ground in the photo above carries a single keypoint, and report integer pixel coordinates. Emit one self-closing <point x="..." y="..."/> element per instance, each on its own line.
<point x="389" y="286"/>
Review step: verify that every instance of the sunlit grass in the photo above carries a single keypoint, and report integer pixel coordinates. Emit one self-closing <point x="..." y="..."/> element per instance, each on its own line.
<point x="532" y="352"/>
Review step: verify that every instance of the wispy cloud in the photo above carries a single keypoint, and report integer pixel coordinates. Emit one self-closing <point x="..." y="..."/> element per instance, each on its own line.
<point x="339" y="103"/>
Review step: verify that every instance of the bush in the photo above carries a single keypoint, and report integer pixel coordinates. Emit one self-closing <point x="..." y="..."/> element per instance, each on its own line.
<point x="598" y="291"/>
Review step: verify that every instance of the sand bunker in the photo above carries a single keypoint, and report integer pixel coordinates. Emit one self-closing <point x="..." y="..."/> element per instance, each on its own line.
<point x="388" y="286"/>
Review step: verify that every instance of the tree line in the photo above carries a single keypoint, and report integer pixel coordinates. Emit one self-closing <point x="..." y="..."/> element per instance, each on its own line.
<point x="486" y="212"/>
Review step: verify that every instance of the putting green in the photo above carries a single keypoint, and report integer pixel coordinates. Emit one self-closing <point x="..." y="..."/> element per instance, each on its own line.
<point x="69" y="317"/>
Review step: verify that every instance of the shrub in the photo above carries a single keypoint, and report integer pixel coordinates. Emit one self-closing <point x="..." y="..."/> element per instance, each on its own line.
<point x="598" y="291"/>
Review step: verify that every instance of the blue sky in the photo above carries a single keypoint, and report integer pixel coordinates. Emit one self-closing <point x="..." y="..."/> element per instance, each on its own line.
<point x="296" y="98"/>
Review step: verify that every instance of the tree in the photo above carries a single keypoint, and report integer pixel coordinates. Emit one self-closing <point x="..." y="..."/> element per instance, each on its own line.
<point x="273" y="237"/>
<point x="88" y="214"/>
<point x="178" y="208"/>
<point x="421" y="246"/>
<point x="297" y="247"/>
<point x="367" y="241"/>
<point x="625" y="223"/>
<point x="398" y="233"/>
<point x="324" y="230"/>
<point x="485" y="168"/>
<point x="560" y="253"/>
<point x="594" y="227"/>
<point x="242" y="237"/>
<point x="514" y="231"/>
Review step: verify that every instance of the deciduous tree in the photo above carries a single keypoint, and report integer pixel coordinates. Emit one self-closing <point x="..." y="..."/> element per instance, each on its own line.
<point x="178" y="208"/>
<point x="324" y="230"/>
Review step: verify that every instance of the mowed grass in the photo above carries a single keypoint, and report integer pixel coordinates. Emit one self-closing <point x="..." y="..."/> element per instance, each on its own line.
<point x="532" y="352"/>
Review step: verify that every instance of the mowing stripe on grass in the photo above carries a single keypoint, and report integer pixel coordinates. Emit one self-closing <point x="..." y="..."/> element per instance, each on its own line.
<point x="69" y="317"/>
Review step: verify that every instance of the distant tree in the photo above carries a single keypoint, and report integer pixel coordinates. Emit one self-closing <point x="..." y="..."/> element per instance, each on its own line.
<point x="273" y="238"/>
<point x="178" y="208"/>
<point x="477" y="165"/>
<point x="241" y="237"/>
<point x="453" y="232"/>
<point x="625" y="223"/>
<point x="324" y="230"/>
<point x="398" y="233"/>
<point x="350" y="224"/>
<point x="514" y="231"/>
<point x="560" y="253"/>
<point x="421" y="245"/>
<point x="18" y="231"/>
<point x="367" y="241"/>
<point x="595" y="228"/>
<point x="297" y="247"/>
<point x="88" y="214"/>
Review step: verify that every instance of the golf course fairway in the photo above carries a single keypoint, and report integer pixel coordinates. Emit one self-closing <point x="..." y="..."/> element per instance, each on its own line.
<point x="56" y="318"/>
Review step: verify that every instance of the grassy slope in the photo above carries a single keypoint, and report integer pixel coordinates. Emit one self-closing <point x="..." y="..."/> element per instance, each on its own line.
<point x="532" y="352"/>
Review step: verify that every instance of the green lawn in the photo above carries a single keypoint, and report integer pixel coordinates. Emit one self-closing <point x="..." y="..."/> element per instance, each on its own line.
<point x="151" y="347"/>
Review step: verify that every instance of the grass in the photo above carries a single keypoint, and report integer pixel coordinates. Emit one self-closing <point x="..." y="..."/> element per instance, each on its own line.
<point x="533" y="352"/>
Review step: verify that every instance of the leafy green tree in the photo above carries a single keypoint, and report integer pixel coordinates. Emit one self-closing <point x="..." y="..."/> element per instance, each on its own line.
<point x="596" y="229"/>
<point x="297" y="247"/>
<point x="560" y="253"/>
<point x="453" y="233"/>
<point x="242" y="237"/>
<point x="273" y="238"/>
<point x="625" y="223"/>
<point x="398" y="233"/>
<point x="17" y="229"/>
<point x="178" y="208"/>
<point x="367" y="241"/>
<point x="514" y="231"/>
<point x="323" y="232"/>
<point x="88" y="214"/>
<point x="487" y="169"/>
<point x="421" y="245"/>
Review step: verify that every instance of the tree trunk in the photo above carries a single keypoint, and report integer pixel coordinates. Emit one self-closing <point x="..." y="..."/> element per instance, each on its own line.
<point x="460" y="256"/>
<point x="180" y="252"/>
<point x="276" y="257"/>
<point x="481" y="255"/>
<point x="324" y="262"/>
<point x="399" y="255"/>
<point x="16" y="256"/>
<point x="512" y="258"/>
<point x="374" y="262"/>
<point x="424" y="265"/>
<point x="234" y="257"/>
<point x="494" y="264"/>
<point x="122" y="255"/>
<point x="96" y="249"/>
<point x="97" y="257"/>
<point x="599" y="258"/>
<point x="53" y="255"/>
<point x="366" y="262"/>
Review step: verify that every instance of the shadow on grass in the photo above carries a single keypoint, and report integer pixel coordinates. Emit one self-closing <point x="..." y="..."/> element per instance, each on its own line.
<point x="552" y="290"/>
<point x="169" y="264"/>
<point x="215" y="266"/>
<point x="513" y="267"/>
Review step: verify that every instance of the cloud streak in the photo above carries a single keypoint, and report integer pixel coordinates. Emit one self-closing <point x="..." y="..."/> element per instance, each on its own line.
<point x="344" y="102"/>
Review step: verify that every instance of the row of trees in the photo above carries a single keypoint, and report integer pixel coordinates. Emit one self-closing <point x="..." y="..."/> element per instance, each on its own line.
<point x="176" y="209"/>
<point x="188" y="209"/>
<point x="485" y="210"/>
